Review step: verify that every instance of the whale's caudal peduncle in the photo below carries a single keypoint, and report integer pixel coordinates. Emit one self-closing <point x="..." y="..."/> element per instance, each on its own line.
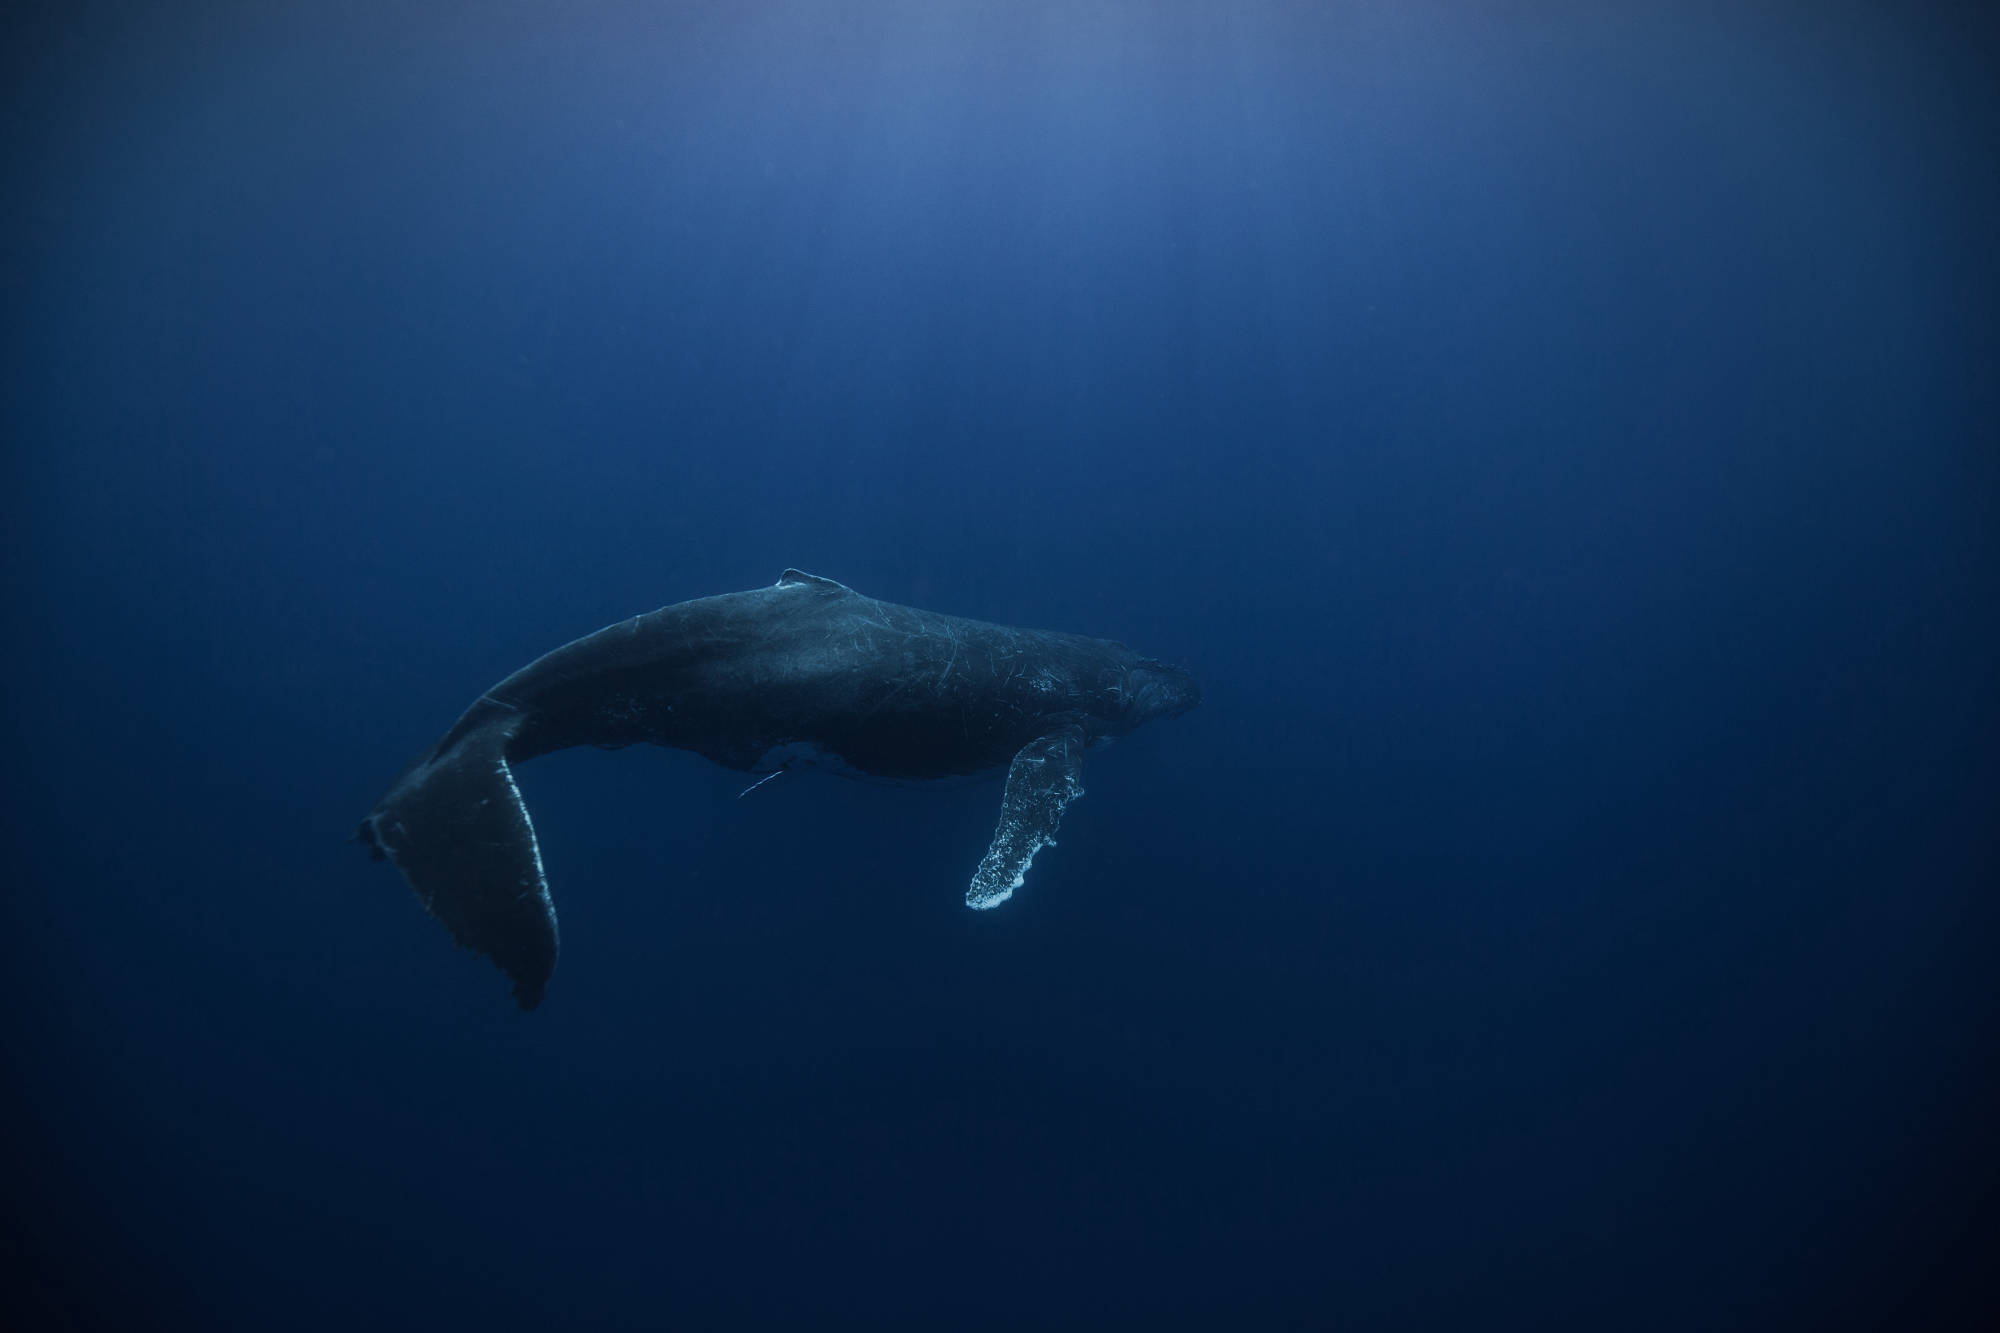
<point x="807" y="672"/>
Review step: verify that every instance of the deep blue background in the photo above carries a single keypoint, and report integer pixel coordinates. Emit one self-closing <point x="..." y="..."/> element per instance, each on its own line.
<point x="1562" y="437"/>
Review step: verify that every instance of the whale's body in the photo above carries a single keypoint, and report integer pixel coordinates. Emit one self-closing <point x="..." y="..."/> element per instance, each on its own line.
<point x="807" y="671"/>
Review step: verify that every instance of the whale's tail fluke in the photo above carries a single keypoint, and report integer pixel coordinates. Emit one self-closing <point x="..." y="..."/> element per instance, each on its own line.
<point x="455" y="826"/>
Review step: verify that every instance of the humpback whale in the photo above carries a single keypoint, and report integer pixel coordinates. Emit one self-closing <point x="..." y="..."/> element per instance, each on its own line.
<point x="804" y="673"/>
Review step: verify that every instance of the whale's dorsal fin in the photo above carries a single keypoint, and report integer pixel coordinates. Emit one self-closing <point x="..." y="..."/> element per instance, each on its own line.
<point x="794" y="577"/>
<point x="1044" y="778"/>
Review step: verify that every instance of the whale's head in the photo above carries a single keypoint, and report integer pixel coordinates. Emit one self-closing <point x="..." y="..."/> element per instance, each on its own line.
<point x="1157" y="689"/>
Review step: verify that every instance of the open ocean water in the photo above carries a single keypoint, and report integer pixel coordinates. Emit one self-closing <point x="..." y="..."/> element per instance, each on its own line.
<point x="1561" y="437"/>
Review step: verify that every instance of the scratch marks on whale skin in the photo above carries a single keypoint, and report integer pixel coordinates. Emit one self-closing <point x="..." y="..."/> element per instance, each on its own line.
<point x="864" y="633"/>
<point x="957" y="642"/>
<point x="1048" y="680"/>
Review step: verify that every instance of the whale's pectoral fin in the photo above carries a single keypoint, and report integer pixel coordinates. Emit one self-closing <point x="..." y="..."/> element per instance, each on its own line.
<point x="1044" y="778"/>
<point x="455" y="826"/>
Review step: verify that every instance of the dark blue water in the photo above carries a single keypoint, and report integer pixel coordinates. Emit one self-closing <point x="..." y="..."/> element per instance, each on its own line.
<point x="1561" y="437"/>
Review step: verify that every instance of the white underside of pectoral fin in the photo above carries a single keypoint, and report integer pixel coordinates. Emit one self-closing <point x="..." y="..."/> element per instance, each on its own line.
<point x="1043" y="779"/>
